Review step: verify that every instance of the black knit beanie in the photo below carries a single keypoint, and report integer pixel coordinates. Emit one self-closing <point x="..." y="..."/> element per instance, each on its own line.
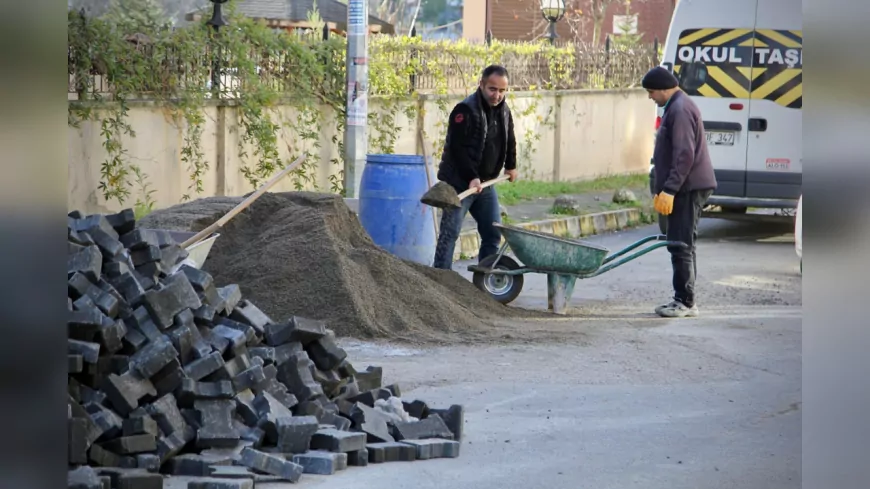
<point x="659" y="78"/>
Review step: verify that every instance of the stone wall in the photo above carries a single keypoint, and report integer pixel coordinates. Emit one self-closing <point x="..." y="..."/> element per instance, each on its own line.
<point x="572" y="135"/>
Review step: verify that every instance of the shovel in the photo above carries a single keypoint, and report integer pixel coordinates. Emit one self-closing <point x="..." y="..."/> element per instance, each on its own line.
<point x="443" y="196"/>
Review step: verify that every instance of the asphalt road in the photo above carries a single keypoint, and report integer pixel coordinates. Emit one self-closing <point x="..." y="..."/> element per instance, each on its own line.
<point x="624" y="399"/>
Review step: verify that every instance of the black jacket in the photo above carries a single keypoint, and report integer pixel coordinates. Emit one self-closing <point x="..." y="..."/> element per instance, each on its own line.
<point x="466" y="139"/>
<point x="682" y="162"/>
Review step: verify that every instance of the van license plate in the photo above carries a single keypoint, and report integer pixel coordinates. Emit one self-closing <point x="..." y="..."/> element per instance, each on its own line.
<point x="720" y="138"/>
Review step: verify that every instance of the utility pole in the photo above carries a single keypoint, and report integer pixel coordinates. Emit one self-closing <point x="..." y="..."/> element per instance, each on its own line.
<point x="355" y="138"/>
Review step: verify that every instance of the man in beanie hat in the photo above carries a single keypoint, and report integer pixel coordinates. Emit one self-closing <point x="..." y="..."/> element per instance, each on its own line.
<point x="684" y="180"/>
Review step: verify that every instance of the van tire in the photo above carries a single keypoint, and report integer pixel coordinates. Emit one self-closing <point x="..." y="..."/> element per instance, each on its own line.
<point x="733" y="210"/>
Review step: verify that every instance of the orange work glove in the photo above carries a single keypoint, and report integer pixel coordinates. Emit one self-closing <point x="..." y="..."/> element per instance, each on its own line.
<point x="664" y="203"/>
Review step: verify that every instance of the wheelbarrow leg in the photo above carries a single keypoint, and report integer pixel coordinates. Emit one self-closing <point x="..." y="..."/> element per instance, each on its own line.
<point x="560" y="287"/>
<point x="501" y="251"/>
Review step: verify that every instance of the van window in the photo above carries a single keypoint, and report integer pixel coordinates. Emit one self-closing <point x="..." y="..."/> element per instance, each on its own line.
<point x="693" y="76"/>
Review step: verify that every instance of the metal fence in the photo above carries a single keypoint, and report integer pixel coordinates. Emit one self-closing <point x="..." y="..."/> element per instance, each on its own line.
<point x="592" y="67"/>
<point x="161" y="70"/>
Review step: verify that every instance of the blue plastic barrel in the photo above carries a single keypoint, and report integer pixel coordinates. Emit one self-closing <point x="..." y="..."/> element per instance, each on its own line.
<point x="390" y="208"/>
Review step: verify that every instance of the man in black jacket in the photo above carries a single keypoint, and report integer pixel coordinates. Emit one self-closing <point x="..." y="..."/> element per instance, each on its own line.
<point x="684" y="180"/>
<point x="480" y="143"/>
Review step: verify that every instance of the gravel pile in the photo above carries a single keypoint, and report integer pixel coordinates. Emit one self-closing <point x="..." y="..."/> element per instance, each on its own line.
<point x="307" y="254"/>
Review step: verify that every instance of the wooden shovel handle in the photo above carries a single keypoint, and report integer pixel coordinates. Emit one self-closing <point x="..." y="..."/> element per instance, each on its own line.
<point x="484" y="185"/>
<point x="422" y="140"/>
<point x="243" y="204"/>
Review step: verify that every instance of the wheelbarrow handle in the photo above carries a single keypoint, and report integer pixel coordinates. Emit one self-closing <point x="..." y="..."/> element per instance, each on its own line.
<point x="678" y="244"/>
<point x="662" y="241"/>
<point x="610" y="263"/>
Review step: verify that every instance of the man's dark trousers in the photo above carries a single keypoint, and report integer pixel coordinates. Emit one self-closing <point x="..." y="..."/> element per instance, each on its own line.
<point x="485" y="210"/>
<point x="683" y="226"/>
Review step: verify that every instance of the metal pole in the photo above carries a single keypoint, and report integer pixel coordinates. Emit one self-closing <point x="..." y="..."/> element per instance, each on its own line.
<point x="216" y="68"/>
<point x="552" y="32"/>
<point x="216" y="21"/>
<point x="413" y="80"/>
<point x="355" y="143"/>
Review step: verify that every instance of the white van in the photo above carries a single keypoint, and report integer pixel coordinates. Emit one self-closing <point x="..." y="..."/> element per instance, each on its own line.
<point x="741" y="62"/>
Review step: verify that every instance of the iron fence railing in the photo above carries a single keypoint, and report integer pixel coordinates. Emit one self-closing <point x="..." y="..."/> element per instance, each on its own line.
<point x="171" y="71"/>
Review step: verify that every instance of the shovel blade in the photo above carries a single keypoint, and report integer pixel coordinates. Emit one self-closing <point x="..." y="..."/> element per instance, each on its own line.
<point x="442" y="195"/>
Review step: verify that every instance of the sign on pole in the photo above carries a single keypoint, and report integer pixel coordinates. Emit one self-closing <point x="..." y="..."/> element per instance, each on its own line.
<point x="355" y="140"/>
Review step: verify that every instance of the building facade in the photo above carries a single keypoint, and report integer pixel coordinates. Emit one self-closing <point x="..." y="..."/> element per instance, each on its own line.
<point x="521" y="20"/>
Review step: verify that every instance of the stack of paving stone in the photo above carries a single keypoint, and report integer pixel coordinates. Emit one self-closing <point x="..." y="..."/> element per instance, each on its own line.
<point x="171" y="375"/>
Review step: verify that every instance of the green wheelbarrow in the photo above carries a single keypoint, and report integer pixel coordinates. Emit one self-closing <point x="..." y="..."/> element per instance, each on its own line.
<point x="563" y="260"/>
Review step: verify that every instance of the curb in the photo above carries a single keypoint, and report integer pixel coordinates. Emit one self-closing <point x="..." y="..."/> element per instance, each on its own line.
<point x="572" y="226"/>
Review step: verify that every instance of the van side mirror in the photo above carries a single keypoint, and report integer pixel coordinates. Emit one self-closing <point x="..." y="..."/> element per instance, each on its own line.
<point x="693" y="75"/>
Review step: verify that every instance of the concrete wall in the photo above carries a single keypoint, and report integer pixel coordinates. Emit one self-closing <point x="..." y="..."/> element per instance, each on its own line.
<point x="567" y="135"/>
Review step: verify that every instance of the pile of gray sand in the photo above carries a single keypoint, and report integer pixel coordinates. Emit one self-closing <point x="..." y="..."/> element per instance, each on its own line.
<point x="306" y="254"/>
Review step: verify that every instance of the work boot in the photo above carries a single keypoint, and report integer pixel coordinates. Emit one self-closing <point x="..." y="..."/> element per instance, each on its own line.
<point x="677" y="309"/>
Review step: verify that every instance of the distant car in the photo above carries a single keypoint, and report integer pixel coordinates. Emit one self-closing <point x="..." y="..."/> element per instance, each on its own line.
<point x="798" y="229"/>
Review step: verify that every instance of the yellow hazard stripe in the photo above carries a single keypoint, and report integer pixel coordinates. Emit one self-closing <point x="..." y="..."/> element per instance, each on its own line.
<point x="769" y="83"/>
<point x="701" y="33"/>
<point x="750" y="72"/>
<point x="729" y="83"/>
<point x="708" y="92"/>
<point x="777" y="81"/>
<point x="733" y="34"/>
<point x="777" y="37"/>
<point x="792" y="95"/>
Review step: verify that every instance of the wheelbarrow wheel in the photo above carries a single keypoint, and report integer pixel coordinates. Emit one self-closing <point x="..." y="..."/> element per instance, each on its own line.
<point x="503" y="288"/>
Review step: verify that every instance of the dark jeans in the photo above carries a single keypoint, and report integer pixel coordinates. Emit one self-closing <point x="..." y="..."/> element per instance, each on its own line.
<point x="683" y="226"/>
<point x="485" y="210"/>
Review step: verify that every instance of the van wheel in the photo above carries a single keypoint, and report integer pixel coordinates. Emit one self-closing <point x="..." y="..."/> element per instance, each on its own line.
<point x="734" y="210"/>
<point x="663" y="224"/>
